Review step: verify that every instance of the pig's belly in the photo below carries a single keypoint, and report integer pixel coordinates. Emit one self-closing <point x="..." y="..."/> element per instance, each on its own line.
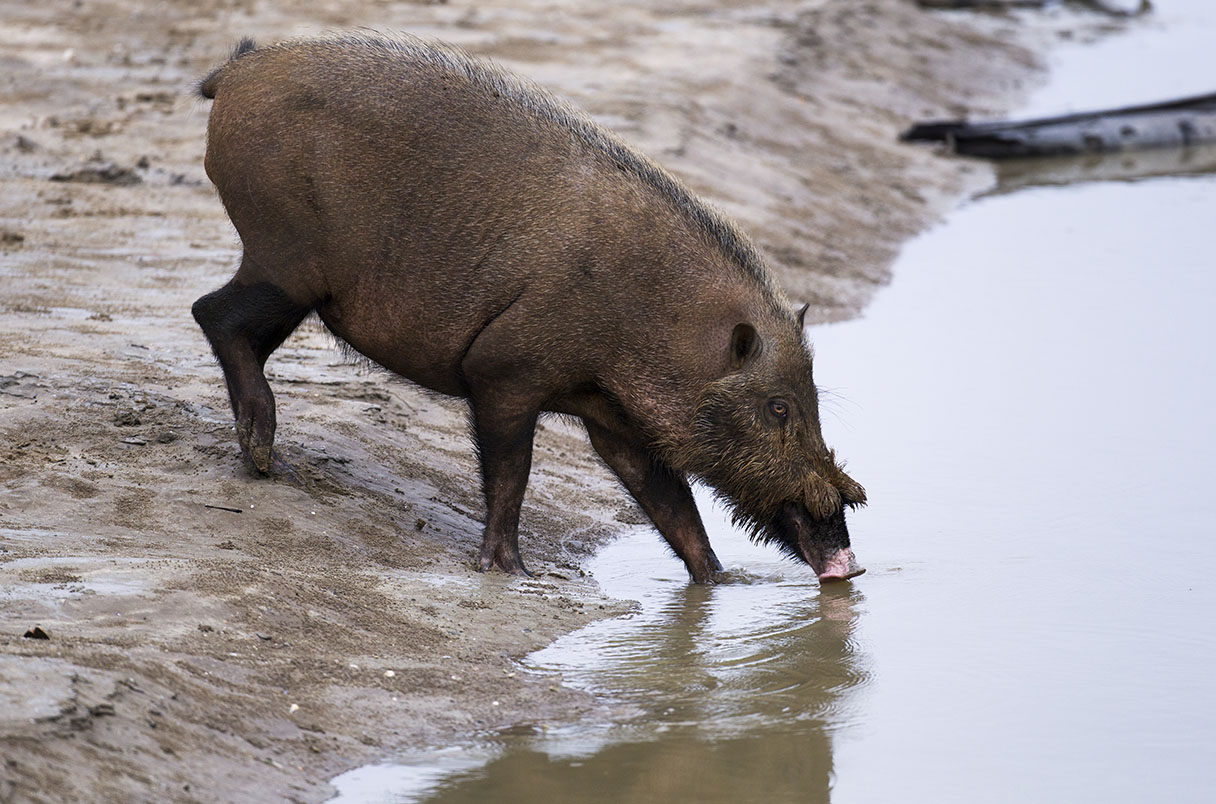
<point x="404" y="339"/>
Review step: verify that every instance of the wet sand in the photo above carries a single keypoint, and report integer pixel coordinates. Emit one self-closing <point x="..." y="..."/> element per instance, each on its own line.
<point x="218" y="636"/>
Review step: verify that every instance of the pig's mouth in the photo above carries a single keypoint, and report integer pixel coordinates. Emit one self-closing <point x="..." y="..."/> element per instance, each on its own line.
<point x="840" y="566"/>
<point x="823" y="543"/>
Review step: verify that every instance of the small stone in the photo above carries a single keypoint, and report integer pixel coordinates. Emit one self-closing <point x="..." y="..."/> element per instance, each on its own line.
<point x="37" y="633"/>
<point x="109" y="173"/>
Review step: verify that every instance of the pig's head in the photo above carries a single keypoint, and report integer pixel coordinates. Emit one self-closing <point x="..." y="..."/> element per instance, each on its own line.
<point x="756" y="439"/>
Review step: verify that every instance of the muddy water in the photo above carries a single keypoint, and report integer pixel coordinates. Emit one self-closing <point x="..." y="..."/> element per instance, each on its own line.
<point x="1029" y="405"/>
<point x="709" y="687"/>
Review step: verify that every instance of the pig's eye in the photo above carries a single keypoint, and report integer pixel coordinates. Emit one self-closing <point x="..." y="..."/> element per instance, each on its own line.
<point x="778" y="408"/>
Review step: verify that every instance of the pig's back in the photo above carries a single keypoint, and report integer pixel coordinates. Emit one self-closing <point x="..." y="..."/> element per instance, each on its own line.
<point x="419" y="193"/>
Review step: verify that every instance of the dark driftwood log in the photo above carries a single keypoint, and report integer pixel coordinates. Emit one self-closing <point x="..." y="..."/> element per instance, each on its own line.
<point x="1118" y="8"/>
<point x="983" y="3"/>
<point x="1177" y="123"/>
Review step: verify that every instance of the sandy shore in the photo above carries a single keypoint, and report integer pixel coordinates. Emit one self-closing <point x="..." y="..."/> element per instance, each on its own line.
<point x="216" y="636"/>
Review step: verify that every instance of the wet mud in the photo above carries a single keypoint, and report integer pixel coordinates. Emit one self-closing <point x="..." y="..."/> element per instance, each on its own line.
<point x="219" y="636"/>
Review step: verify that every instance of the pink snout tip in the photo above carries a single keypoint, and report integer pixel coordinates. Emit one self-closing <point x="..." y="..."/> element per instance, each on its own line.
<point x="841" y="567"/>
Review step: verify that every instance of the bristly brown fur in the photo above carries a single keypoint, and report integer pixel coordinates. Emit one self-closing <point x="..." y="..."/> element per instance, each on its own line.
<point x="755" y="469"/>
<point x="548" y="108"/>
<point x="467" y="231"/>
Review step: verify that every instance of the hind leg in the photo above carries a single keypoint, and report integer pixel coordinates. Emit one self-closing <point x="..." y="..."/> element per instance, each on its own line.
<point x="245" y="323"/>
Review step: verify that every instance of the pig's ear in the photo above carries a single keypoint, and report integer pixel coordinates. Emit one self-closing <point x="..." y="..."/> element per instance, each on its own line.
<point x="802" y="316"/>
<point x="744" y="343"/>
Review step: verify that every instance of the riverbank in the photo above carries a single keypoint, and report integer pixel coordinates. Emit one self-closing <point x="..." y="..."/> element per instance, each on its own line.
<point x="220" y="637"/>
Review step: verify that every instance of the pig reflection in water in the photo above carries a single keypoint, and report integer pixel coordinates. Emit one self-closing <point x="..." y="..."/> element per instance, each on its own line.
<point x="472" y="233"/>
<point x="747" y="721"/>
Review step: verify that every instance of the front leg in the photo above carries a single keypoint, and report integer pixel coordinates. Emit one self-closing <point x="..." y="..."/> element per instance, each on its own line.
<point x="504" y="442"/>
<point x="663" y="494"/>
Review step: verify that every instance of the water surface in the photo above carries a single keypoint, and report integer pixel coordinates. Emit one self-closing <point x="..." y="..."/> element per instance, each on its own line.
<point x="1033" y="404"/>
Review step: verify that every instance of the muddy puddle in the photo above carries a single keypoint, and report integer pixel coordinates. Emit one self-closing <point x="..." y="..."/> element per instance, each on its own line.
<point x="1029" y="405"/>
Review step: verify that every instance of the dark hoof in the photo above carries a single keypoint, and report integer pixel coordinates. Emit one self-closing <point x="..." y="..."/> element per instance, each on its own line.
<point x="704" y="571"/>
<point x="281" y="469"/>
<point x="263" y="458"/>
<point x="505" y="560"/>
<point x="257" y="442"/>
<point x="267" y="461"/>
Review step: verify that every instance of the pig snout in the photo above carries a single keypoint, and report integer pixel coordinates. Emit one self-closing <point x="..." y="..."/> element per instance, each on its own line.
<point x="840" y="566"/>
<point x="822" y="543"/>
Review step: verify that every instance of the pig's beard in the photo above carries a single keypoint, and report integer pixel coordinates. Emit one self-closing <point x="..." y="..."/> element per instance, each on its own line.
<point x="758" y="473"/>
